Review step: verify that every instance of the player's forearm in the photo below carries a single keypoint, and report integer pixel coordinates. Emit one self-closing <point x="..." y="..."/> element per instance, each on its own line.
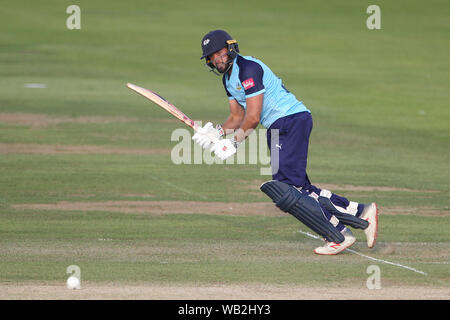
<point x="231" y="124"/>
<point x="248" y="125"/>
<point x="251" y="118"/>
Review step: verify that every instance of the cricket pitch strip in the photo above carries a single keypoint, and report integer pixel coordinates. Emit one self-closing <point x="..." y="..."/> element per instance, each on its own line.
<point x="90" y="290"/>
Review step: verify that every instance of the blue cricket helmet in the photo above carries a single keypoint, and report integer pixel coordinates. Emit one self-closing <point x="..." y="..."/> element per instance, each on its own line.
<point x="214" y="41"/>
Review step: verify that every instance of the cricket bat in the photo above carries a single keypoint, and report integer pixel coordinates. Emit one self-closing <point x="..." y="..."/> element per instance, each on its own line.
<point x="163" y="103"/>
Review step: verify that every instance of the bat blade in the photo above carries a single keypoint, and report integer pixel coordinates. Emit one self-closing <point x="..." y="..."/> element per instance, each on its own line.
<point x="164" y="104"/>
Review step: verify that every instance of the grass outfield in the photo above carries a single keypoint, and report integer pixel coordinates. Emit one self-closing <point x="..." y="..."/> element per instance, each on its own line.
<point x="380" y="104"/>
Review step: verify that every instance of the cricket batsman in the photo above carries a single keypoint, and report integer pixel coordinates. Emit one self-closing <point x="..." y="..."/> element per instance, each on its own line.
<point x="256" y="95"/>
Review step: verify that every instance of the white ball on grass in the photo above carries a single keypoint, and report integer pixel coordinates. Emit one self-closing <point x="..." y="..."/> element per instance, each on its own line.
<point x="73" y="283"/>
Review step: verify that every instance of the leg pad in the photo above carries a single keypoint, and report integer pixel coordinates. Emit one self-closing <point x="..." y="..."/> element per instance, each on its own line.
<point x="303" y="207"/>
<point x="345" y="218"/>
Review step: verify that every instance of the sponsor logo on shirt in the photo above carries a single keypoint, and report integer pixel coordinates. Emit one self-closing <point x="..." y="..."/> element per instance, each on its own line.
<point x="249" y="83"/>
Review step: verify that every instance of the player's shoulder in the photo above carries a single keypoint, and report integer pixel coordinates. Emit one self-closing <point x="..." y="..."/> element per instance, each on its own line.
<point x="248" y="61"/>
<point x="249" y="65"/>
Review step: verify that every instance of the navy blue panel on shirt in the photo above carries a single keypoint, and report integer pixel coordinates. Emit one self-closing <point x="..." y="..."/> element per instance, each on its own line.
<point x="251" y="75"/>
<point x="225" y="85"/>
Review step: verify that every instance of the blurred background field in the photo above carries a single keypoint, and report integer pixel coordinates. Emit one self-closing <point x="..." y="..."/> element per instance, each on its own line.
<point x="380" y="104"/>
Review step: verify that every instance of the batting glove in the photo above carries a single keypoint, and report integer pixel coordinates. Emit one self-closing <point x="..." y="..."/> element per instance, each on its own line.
<point x="206" y="136"/>
<point x="225" y="148"/>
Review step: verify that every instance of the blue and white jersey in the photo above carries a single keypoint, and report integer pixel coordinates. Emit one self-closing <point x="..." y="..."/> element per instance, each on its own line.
<point x="250" y="77"/>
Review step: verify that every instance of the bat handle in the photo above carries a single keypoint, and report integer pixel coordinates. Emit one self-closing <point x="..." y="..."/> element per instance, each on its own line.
<point x="195" y="126"/>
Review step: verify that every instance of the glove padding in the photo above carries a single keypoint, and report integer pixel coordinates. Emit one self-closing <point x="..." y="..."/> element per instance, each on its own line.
<point x="206" y="136"/>
<point x="224" y="148"/>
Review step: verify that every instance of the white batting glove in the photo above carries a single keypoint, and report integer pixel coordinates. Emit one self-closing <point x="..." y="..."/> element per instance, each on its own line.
<point x="206" y="136"/>
<point x="224" y="148"/>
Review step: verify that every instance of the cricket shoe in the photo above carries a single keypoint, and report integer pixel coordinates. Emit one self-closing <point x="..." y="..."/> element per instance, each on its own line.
<point x="370" y="214"/>
<point x="331" y="248"/>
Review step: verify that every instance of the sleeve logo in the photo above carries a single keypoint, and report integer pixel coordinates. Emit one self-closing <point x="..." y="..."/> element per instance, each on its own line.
<point x="247" y="84"/>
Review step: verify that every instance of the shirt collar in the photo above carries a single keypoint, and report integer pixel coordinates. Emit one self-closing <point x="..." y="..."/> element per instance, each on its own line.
<point x="232" y="68"/>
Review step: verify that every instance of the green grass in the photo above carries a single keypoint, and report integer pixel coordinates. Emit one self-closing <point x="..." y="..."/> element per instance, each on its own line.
<point x="379" y="99"/>
<point x="203" y="248"/>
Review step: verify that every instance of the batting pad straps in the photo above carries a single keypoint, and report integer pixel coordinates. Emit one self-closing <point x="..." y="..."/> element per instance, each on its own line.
<point x="352" y="208"/>
<point x="325" y="193"/>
